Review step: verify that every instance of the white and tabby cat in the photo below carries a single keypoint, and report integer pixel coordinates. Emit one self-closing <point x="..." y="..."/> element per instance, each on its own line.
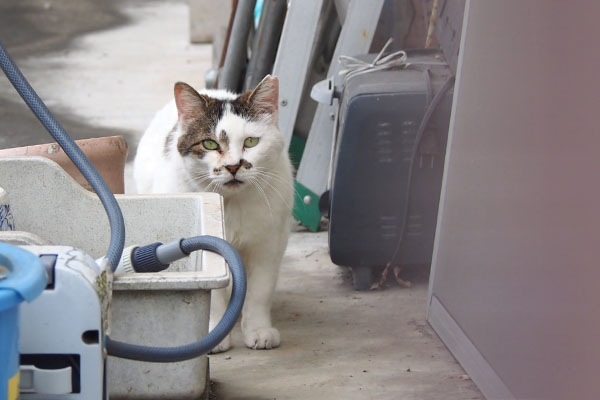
<point x="229" y="144"/>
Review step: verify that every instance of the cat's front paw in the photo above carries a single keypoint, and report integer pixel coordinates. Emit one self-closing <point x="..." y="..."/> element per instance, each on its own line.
<point x="262" y="338"/>
<point x="223" y="346"/>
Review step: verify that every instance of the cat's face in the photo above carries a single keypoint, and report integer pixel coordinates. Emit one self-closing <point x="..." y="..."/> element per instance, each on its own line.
<point x="229" y="143"/>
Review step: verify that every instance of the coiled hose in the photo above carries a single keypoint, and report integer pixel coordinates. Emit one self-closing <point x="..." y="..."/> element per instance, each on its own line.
<point x="37" y="106"/>
<point x="207" y="343"/>
<point x="117" y="226"/>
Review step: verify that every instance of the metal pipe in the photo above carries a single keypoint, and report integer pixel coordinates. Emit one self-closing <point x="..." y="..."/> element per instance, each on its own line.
<point x="235" y="58"/>
<point x="266" y="40"/>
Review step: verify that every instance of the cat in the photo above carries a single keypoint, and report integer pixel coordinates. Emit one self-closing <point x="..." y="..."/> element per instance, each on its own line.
<point x="230" y="144"/>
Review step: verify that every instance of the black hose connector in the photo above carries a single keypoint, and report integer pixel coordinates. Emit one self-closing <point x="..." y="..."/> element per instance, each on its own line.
<point x="144" y="259"/>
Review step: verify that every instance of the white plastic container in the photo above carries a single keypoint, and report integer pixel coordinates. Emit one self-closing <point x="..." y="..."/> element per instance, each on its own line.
<point x="163" y="309"/>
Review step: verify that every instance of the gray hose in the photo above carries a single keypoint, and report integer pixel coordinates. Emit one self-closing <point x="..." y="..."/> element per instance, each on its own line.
<point x="220" y="246"/>
<point x="115" y="217"/>
<point x="207" y="343"/>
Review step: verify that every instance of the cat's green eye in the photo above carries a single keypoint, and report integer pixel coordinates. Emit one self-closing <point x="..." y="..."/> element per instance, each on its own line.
<point x="210" y="144"/>
<point x="250" y="142"/>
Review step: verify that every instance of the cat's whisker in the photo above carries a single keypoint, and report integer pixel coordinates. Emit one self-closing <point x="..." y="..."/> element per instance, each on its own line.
<point x="203" y="182"/>
<point x="215" y="189"/>
<point x="270" y="175"/>
<point x="201" y="173"/>
<point x="276" y="177"/>
<point x="254" y="182"/>
<point x="219" y="187"/>
<point x="264" y="180"/>
<point x="201" y="178"/>
<point x="267" y="170"/>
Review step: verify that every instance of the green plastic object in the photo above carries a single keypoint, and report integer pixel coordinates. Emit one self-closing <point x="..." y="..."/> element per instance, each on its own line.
<point x="308" y="214"/>
<point x="296" y="149"/>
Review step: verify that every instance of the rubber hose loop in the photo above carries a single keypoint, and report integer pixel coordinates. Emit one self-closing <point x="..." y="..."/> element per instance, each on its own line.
<point x="207" y="343"/>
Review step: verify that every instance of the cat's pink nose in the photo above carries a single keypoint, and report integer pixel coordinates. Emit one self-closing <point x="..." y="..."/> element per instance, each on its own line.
<point x="233" y="168"/>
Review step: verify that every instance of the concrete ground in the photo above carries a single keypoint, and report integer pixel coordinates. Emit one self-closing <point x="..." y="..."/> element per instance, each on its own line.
<point x="104" y="68"/>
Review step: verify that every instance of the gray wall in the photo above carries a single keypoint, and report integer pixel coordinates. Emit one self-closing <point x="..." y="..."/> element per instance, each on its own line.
<point x="517" y="257"/>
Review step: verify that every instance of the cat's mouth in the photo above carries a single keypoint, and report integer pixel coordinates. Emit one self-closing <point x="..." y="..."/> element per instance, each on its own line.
<point x="233" y="182"/>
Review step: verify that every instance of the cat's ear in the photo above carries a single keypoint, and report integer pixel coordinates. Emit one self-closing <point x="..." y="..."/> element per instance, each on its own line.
<point x="190" y="104"/>
<point x="265" y="96"/>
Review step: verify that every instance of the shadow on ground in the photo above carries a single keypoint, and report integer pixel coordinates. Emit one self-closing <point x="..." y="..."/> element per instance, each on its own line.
<point x="34" y="27"/>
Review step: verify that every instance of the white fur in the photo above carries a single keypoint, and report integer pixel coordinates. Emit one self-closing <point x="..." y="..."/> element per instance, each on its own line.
<point x="257" y="212"/>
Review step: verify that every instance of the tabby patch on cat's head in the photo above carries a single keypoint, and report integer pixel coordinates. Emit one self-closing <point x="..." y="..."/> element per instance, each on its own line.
<point x="199" y="114"/>
<point x="227" y="139"/>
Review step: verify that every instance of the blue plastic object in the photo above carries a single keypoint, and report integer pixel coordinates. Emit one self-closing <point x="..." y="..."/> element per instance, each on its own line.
<point x="257" y="11"/>
<point x="22" y="278"/>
